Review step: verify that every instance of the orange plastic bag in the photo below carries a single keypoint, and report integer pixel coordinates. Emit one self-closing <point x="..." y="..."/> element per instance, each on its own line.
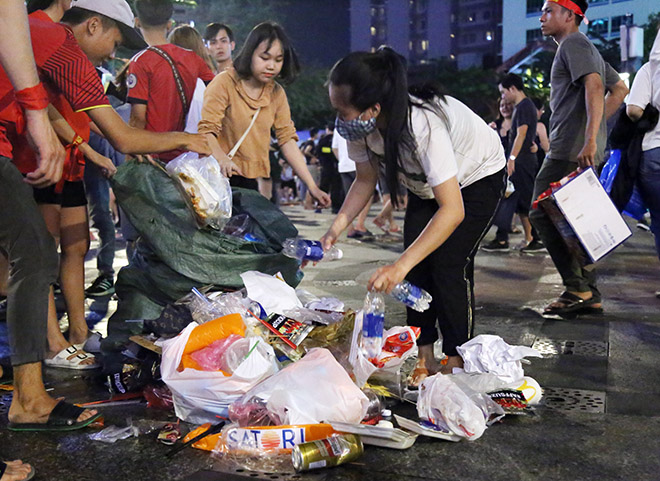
<point x="206" y="334"/>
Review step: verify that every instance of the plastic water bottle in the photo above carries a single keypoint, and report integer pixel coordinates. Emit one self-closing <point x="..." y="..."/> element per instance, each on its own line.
<point x="309" y="250"/>
<point x="372" y="324"/>
<point x="241" y="226"/>
<point x="412" y="296"/>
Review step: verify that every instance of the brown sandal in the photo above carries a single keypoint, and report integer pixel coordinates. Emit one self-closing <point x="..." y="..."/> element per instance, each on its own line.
<point x="417" y="376"/>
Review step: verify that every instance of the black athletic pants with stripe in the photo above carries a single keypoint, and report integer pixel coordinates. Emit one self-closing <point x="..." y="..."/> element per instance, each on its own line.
<point x="448" y="272"/>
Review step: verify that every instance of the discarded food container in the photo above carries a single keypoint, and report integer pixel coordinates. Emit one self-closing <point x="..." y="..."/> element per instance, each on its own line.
<point x="325" y="453"/>
<point x="383" y="436"/>
<point x="207" y="191"/>
<point x="530" y="388"/>
<point x="290" y="331"/>
<point x="412" y="296"/>
<point x="309" y="250"/>
<point x="426" y="429"/>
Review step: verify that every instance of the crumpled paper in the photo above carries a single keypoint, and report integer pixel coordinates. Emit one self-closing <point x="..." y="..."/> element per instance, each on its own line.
<point x="271" y="292"/>
<point x="488" y="353"/>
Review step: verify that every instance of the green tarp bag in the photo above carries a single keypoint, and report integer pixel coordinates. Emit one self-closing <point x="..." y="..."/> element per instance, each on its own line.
<point x="175" y="254"/>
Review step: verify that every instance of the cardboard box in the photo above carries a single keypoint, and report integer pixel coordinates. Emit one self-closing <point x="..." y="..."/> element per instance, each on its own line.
<point x="585" y="216"/>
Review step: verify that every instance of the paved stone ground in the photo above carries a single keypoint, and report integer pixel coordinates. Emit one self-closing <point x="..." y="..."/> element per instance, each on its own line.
<point x="600" y="421"/>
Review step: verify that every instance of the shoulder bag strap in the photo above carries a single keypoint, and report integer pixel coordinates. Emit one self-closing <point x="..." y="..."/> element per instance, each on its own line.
<point x="233" y="151"/>
<point x="177" y="79"/>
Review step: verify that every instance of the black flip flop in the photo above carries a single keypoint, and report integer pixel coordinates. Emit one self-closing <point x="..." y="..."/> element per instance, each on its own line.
<point x="63" y="417"/>
<point x="4" y="466"/>
<point x="573" y="304"/>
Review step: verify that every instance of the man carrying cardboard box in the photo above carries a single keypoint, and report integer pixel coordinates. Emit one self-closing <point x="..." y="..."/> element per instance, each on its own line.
<point x="585" y="91"/>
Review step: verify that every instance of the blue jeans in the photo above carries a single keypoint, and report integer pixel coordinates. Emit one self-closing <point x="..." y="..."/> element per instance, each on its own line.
<point x="98" y="196"/>
<point x="648" y="182"/>
<point x="504" y="216"/>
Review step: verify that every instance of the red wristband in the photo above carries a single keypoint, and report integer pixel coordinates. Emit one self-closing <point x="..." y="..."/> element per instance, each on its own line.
<point x="77" y="140"/>
<point x="33" y="98"/>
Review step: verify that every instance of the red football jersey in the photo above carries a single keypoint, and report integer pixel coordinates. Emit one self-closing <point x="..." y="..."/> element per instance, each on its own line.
<point x="74" y="165"/>
<point x="62" y="67"/>
<point x="151" y="81"/>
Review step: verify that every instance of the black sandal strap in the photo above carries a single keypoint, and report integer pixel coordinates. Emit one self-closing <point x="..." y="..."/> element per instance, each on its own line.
<point x="64" y="414"/>
<point x="569" y="296"/>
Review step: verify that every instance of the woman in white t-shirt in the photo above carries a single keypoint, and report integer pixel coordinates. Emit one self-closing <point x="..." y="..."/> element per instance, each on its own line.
<point x="453" y="166"/>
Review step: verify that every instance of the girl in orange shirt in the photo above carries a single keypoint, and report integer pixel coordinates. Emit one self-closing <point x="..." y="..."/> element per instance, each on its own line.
<point x="237" y="95"/>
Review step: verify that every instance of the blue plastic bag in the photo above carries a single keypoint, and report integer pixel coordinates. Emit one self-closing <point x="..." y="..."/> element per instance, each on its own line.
<point x="610" y="169"/>
<point x="635" y="207"/>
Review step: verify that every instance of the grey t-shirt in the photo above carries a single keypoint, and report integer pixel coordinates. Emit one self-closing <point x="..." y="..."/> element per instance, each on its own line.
<point x="575" y="58"/>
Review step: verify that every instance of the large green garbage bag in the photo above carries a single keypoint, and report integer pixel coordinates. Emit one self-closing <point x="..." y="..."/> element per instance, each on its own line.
<point x="173" y="254"/>
<point x="157" y="209"/>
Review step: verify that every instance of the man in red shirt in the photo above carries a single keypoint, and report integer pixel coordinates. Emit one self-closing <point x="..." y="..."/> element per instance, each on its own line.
<point x="162" y="78"/>
<point x="98" y="27"/>
<point x="65" y="56"/>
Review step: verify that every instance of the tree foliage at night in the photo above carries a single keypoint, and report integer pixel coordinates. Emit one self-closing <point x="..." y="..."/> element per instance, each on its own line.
<point x="650" y="31"/>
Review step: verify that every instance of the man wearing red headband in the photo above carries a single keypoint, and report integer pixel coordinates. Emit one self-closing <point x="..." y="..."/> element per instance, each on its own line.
<point x="585" y="91"/>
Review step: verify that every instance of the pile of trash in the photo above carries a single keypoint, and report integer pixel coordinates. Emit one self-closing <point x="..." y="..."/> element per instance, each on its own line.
<point x="276" y="378"/>
<point x="279" y="379"/>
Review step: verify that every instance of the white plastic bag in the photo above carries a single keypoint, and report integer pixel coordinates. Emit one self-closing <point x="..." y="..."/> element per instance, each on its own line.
<point x="200" y="395"/>
<point x="208" y="192"/>
<point x="399" y="343"/>
<point x="362" y="367"/>
<point x="444" y="404"/>
<point x="488" y="353"/>
<point x="271" y="292"/>
<point x="195" y="109"/>
<point x="313" y="390"/>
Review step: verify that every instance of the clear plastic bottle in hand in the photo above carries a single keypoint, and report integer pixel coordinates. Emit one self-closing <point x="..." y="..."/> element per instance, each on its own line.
<point x="372" y="324"/>
<point x="309" y="250"/>
<point x="412" y="296"/>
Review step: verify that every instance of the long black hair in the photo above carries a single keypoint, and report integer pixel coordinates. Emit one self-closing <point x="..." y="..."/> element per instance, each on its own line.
<point x="268" y="32"/>
<point x="34" y="5"/>
<point x="381" y="77"/>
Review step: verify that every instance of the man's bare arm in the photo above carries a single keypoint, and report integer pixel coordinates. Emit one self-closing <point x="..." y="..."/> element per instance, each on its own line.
<point x="130" y="140"/>
<point x="17" y="59"/>
<point x="594" y="98"/>
<point x="614" y="98"/>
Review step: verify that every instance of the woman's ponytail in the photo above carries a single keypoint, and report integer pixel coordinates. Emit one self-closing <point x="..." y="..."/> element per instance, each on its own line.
<point x="381" y="78"/>
<point x="396" y="106"/>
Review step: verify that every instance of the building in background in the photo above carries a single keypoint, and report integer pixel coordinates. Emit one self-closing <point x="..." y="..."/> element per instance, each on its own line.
<point x="418" y="29"/>
<point x="319" y="29"/>
<point x="521" y="27"/>
<point x="476" y="32"/>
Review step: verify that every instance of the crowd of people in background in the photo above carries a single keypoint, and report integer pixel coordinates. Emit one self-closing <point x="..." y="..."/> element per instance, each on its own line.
<point x="412" y="148"/>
